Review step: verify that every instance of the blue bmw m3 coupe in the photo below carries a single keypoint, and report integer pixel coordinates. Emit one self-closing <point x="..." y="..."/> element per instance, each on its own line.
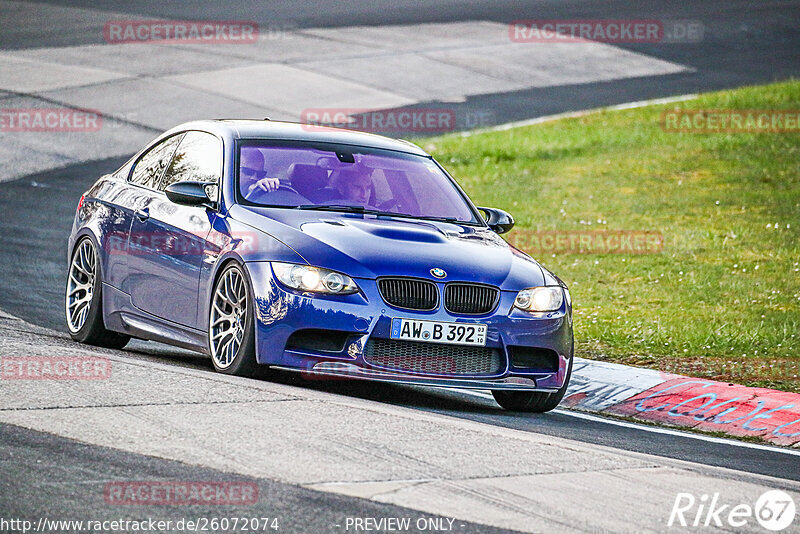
<point x="328" y="252"/>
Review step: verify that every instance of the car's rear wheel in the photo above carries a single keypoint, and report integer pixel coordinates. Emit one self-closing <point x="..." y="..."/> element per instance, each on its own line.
<point x="532" y="401"/>
<point x="231" y="334"/>
<point x="84" y="302"/>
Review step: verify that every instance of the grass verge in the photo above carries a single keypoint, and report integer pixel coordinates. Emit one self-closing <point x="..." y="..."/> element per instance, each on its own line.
<point x="722" y="298"/>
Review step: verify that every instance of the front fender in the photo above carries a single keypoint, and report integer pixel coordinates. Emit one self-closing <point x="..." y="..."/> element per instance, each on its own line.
<point x="231" y="241"/>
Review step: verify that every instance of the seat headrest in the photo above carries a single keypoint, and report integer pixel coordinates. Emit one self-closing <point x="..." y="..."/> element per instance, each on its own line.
<point x="306" y="178"/>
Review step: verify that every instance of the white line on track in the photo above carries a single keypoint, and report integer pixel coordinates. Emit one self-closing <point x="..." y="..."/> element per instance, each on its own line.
<point x="654" y="429"/>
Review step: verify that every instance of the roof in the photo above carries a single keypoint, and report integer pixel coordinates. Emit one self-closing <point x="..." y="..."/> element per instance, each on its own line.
<point x="269" y="129"/>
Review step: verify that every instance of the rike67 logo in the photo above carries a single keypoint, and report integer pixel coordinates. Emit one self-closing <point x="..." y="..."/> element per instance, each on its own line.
<point x="774" y="510"/>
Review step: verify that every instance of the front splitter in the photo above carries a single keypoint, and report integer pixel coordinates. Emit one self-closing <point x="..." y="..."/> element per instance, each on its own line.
<point x="348" y="370"/>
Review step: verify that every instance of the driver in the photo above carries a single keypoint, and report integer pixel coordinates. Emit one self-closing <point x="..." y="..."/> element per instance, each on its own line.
<point x="352" y="185"/>
<point x="252" y="175"/>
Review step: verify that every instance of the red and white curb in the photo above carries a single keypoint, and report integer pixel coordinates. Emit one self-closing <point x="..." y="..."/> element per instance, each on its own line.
<point x="675" y="400"/>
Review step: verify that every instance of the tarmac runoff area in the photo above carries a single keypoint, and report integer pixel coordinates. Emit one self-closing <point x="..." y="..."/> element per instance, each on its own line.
<point x="67" y="104"/>
<point x="320" y="441"/>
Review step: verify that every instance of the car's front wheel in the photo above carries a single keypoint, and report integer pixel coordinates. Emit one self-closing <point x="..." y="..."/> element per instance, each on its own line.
<point x="231" y="334"/>
<point x="84" y="302"/>
<point x="532" y="401"/>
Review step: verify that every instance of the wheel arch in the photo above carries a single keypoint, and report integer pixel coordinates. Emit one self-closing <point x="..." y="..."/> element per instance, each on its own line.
<point x="223" y="264"/>
<point x="91" y="331"/>
<point x="219" y="268"/>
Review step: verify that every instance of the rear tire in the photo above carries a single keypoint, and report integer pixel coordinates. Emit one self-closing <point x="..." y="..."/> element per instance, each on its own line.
<point x="532" y="401"/>
<point x="231" y="332"/>
<point x="84" y="300"/>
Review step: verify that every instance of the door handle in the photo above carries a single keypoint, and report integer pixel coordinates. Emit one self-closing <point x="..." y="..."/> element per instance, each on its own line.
<point x="142" y="214"/>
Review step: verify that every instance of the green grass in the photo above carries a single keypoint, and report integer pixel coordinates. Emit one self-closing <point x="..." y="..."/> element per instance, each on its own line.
<point x="722" y="299"/>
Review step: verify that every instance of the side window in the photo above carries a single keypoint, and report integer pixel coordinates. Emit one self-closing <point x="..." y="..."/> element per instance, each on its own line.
<point x="151" y="166"/>
<point x="198" y="158"/>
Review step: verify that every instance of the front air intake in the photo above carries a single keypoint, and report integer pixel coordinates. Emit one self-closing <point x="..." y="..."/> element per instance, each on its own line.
<point x="432" y="358"/>
<point x="534" y="359"/>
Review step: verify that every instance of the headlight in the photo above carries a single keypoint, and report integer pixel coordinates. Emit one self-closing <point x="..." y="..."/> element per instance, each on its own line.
<point x="540" y="299"/>
<point x="316" y="279"/>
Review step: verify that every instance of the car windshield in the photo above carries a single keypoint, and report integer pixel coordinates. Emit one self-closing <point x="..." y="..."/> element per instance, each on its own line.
<point x="336" y="177"/>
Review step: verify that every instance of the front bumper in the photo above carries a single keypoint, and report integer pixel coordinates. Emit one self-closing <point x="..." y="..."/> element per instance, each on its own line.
<point x="364" y="316"/>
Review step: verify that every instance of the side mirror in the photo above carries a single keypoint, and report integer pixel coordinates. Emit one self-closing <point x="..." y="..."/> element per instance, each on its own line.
<point x="190" y="194"/>
<point x="498" y="220"/>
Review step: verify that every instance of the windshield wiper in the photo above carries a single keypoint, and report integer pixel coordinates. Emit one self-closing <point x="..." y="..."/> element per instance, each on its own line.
<point x="440" y="219"/>
<point x="334" y="207"/>
<point x="419" y="217"/>
<point x="347" y="208"/>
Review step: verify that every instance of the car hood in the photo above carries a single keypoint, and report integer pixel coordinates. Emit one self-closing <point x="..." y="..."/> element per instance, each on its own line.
<point x="364" y="246"/>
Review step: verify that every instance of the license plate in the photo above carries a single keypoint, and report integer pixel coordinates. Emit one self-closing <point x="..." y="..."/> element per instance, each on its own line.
<point x="438" y="332"/>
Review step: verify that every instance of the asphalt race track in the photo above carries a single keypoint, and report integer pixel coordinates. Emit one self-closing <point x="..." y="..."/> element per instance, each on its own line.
<point x="744" y="42"/>
<point x="741" y="47"/>
<point x="66" y="465"/>
<point x="33" y="300"/>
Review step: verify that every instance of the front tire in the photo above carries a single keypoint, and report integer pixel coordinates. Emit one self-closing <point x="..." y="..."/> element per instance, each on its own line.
<point x="84" y="300"/>
<point x="532" y="401"/>
<point x="231" y="333"/>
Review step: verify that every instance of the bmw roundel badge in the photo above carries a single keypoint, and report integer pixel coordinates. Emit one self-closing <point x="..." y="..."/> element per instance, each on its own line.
<point x="438" y="273"/>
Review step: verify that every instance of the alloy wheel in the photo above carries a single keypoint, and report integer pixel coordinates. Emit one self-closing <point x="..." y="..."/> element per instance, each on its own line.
<point x="80" y="287"/>
<point x="228" y="316"/>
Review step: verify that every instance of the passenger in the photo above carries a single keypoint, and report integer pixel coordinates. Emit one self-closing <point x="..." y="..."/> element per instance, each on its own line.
<point x="351" y="185"/>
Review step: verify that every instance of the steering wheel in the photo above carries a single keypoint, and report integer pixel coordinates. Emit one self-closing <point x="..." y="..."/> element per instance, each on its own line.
<point x="289" y="188"/>
<point x="287" y="194"/>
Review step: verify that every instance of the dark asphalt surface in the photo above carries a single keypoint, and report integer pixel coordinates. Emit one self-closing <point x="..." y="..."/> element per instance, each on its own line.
<point x="46" y="476"/>
<point x="562" y="425"/>
<point x="745" y="43"/>
<point x="36" y="215"/>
